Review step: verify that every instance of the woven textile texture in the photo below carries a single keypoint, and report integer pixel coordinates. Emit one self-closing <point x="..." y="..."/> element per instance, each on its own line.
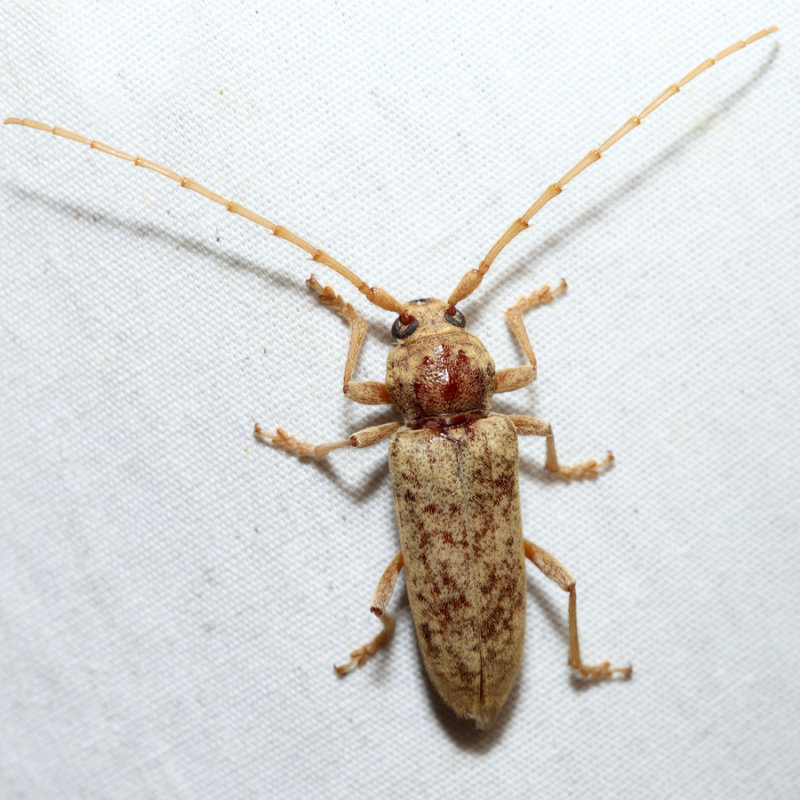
<point x="173" y="595"/>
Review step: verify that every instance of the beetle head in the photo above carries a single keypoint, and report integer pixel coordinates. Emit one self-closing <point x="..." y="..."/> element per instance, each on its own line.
<point x="437" y="369"/>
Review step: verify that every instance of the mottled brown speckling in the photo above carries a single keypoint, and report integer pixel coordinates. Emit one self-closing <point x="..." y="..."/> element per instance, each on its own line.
<point x="457" y="505"/>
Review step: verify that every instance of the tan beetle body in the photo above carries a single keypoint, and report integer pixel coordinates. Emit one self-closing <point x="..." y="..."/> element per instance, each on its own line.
<point x="453" y="463"/>
<point x="457" y="503"/>
<point x="454" y="475"/>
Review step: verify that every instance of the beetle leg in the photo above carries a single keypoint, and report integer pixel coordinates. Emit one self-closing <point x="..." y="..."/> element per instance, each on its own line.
<point x="370" y="393"/>
<point x="552" y="568"/>
<point x="541" y="427"/>
<point x="380" y="599"/>
<point x="363" y="438"/>
<point x="512" y="378"/>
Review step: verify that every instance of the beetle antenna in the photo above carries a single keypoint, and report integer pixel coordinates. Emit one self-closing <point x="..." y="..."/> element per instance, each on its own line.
<point x="471" y="279"/>
<point x="375" y="295"/>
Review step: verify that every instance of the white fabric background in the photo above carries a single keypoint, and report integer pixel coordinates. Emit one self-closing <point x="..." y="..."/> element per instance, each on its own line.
<point x="173" y="595"/>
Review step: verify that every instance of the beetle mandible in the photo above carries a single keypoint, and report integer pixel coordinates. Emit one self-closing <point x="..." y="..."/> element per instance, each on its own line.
<point x="453" y="462"/>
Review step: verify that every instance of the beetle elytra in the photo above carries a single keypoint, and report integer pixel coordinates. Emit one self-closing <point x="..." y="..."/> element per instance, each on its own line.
<point x="453" y="463"/>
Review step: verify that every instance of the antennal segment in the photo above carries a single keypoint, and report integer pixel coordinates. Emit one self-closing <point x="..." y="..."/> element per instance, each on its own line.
<point x="375" y="295"/>
<point x="471" y="280"/>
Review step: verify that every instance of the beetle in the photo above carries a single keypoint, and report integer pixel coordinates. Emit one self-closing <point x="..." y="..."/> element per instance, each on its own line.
<point x="453" y="463"/>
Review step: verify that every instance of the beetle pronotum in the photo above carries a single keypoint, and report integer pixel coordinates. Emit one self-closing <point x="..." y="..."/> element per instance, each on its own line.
<point x="453" y="463"/>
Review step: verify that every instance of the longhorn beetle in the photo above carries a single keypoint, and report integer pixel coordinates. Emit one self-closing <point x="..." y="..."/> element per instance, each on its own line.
<point x="453" y="463"/>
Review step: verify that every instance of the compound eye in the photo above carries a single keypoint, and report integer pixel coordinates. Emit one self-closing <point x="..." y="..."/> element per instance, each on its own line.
<point x="455" y="317"/>
<point x="404" y="326"/>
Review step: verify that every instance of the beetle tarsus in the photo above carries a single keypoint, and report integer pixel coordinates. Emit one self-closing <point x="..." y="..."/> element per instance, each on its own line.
<point x="285" y="441"/>
<point x="584" y="469"/>
<point x="362" y="654"/>
<point x="601" y="671"/>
